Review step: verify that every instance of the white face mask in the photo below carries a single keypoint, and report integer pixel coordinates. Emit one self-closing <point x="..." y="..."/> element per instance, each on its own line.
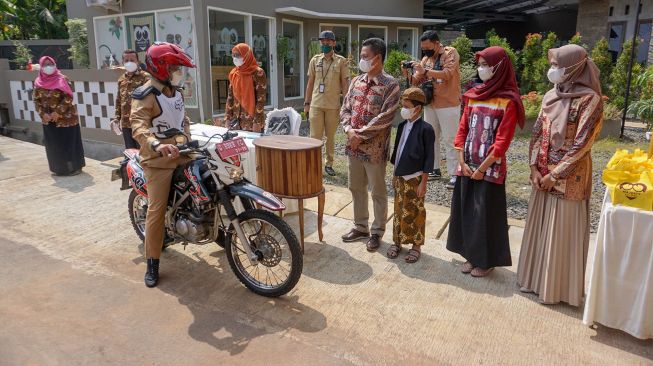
<point x="177" y="78"/>
<point x="407" y="113"/>
<point x="556" y="75"/>
<point x="239" y="61"/>
<point x="131" y="66"/>
<point x="365" y="65"/>
<point x="485" y="73"/>
<point x="49" y="70"/>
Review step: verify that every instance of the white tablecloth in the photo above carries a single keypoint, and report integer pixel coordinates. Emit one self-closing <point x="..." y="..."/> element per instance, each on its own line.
<point x="202" y="132"/>
<point x="620" y="293"/>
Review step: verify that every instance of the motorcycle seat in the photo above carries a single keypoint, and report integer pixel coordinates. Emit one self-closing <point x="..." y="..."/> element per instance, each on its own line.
<point x="133" y="154"/>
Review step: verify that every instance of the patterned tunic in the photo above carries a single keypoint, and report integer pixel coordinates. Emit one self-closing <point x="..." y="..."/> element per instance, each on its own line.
<point x="126" y="85"/>
<point x="50" y="101"/>
<point x="369" y="108"/>
<point x="233" y="109"/>
<point x="487" y="126"/>
<point x="572" y="164"/>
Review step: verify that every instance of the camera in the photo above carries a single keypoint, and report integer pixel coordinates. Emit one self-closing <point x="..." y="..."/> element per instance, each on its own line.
<point x="407" y="64"/>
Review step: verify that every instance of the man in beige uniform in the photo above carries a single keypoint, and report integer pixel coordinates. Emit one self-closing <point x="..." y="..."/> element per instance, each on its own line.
<point x="328" y="76"/>
<point x="158" y="106"/>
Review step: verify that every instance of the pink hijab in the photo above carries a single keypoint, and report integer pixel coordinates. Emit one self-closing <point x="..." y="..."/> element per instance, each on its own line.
<point x="582" y="79"/>
<point x="56" y="81"/>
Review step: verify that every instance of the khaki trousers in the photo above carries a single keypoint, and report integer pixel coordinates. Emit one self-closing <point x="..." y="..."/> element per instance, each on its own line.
<point x="445" y="123"/>
<point x="158" y="189"/>
<point x="361" y="175"/>
<point x="325" y="120"/>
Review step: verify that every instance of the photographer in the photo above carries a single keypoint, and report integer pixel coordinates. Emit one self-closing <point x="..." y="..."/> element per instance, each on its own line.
<point x="438" y="75"/>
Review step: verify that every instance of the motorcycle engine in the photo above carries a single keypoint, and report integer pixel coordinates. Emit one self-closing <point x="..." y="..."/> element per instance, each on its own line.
<point x="191" y="231"/>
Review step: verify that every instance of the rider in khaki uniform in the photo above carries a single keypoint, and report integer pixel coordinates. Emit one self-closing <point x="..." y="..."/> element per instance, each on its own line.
<point x="157" y="106"/>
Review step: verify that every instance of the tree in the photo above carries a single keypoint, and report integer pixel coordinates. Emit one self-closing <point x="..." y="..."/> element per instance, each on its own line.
<point x="78" y="42"/>
<point x="603" y="60"/>
<point x="619" y="76"/>
<point x="502" y="42"/>
<point x="33" y="19"/>
<point x="463" y="45"/>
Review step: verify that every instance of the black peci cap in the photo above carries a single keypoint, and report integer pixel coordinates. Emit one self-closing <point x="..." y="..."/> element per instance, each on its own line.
<point x="327" y="35"/>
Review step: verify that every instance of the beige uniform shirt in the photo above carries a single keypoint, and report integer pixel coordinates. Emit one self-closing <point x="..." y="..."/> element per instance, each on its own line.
<point x="327" y="73"/>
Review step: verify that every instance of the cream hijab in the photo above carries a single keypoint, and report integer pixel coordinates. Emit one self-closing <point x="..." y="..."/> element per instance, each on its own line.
<point x="581" y="78"/>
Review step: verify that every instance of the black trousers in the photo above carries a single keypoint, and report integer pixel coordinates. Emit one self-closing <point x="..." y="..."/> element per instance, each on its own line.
<point x="130" y="143"/>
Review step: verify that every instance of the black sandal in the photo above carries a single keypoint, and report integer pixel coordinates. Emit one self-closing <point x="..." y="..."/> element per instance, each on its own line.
<point x="393" y="251"/>
<point x="413" y="255"/>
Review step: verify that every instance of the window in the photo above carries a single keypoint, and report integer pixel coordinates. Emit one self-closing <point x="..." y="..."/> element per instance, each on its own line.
<point x="293" y="70"/>
<point x="261" y="45"/>
<point x="343" y="35"/>
<point x="616" y="38"/>
<point x="611" y="10"/>
<point x="627" y="10"/>
<point x="367" y="32"/>
<point x="407" y="40"/>
<point x="644" y="33"/>
<point x="225" y="31"/>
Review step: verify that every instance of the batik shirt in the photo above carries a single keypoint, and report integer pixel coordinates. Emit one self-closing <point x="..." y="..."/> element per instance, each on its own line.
<point x="126" y="85"/>
<point x="369" y="107"/>
<point x="233" y="109"/>
<point x="571" y="165"/>
<point x="49" y="101"/>
<point x="487" y="126"/>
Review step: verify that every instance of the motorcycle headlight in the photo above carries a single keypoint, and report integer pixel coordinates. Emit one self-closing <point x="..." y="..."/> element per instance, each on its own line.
<point x="235" y="173"/>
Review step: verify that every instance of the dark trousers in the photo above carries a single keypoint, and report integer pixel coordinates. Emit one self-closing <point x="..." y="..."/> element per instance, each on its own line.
<point x="130" y="143"/>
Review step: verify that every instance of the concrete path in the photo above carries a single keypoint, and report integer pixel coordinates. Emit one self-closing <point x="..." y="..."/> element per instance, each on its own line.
<point x="71" y="293"/>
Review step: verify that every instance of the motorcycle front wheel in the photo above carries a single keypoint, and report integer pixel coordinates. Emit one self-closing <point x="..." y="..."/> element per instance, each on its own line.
<point x="280" y="258"/>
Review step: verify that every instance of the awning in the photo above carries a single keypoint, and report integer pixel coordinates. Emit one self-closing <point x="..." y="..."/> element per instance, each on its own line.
<point x="303" y="13"/>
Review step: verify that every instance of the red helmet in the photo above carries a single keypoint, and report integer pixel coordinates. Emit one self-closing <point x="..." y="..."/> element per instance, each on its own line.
<point x="160" y="55"/>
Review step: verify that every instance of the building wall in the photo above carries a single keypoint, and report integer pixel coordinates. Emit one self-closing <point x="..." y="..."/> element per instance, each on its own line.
<point x="592" y="20"/>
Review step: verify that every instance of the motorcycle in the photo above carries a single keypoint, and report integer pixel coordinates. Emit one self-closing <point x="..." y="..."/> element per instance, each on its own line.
<point x="262" y="249"/>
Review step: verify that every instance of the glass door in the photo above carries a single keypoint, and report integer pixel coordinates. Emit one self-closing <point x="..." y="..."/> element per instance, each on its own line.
<point x="262" y="47"/>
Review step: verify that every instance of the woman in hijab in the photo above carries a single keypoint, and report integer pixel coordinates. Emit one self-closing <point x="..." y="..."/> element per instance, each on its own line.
<point x="53" y="99"/>
<point x="247" y="92"/>
<point x="478" y="230"/>
<point x="556" y="237"/>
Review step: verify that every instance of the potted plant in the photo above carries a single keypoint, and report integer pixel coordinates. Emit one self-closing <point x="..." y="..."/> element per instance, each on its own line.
<point x="284" y="55"/>
<point x="22" y="55"/>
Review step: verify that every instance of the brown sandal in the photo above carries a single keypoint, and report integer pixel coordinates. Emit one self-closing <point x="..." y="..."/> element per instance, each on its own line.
<point x="480" y="272"/>
<point x="467" y="268"/>
<point x="393" y="251"/>
<point x="413" y="256"/>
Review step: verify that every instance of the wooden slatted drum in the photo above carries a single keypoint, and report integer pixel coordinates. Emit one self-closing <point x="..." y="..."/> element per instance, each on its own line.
<point x="289" y="166"/>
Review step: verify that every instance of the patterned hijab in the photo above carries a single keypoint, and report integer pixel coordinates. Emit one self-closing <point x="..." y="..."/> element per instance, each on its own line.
<point x="581" y="78"/>
<point x="242" y="80"/>
<point x="56" y="81"/>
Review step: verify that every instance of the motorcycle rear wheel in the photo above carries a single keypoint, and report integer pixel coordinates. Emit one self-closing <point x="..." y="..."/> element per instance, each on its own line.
<point x="137" y="206"/>
<point x="280" y="257"/>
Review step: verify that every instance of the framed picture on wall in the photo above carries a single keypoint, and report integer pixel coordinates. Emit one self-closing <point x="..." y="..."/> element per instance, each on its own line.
<point x="141" y="32"/>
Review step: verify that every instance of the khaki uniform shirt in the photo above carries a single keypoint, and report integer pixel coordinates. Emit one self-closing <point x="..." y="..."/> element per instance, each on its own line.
<point x="329" y="73"/>
<point x="126" y="85"/>
<point x="142" y="113"/>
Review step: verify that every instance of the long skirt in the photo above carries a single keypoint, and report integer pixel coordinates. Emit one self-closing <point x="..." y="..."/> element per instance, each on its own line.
<point x="554" y="248"/>
<point x="478" y="230"/>
<point x="64" y="149"/>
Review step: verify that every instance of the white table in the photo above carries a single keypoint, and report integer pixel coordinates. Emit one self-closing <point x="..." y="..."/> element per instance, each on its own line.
<point x="620" y="293"/>
<point x="202" y="132"/>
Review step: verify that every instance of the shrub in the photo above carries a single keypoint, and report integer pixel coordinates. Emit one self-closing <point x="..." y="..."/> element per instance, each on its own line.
<point x="22" y="55"/>
<point x="578" y="39"/>
<point x="463" y="45"/>
<point x="542" y="64"/>
<point x="393" y="62"/>
<point x="502" y="42"/>
<point x="643" y="108"/>
<point x="78" y="42"/>
<point x="610" y="111"/>
<point x="619" y="77"/>
<point x="530" y="54"/>
<point x="603" y="61"/>
<point x="532" y="104"/>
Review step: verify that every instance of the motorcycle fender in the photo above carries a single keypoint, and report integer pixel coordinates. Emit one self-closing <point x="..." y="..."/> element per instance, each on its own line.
<point x="257" y="194"/>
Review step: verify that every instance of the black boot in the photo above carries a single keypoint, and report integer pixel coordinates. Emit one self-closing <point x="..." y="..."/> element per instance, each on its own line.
<point x="152" y="274"/>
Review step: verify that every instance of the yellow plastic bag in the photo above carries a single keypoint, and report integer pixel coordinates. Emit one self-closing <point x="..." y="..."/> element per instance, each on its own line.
<point x="629" y="178"/>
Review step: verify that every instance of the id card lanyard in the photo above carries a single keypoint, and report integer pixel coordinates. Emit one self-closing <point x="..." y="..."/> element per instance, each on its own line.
<point x="321" y="87"/>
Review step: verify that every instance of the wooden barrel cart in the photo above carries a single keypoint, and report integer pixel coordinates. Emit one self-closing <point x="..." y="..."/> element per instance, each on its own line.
<point x="291" y="167"/>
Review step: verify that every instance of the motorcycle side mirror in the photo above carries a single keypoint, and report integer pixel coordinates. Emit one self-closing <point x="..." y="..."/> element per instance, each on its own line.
<point x="171" y="132"/>
<point x="193" y="144"/>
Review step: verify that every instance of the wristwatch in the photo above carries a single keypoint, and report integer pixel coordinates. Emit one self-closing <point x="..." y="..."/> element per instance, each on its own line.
<point x="155" y="144"/>
<point x="307" y="103"/>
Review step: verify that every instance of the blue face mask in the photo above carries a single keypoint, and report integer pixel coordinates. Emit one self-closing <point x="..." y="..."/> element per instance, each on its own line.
<point x="326" y="48"/>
